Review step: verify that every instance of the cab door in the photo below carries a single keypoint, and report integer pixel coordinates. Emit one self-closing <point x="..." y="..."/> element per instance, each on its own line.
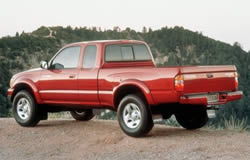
<point x="58" y="84"/>
<point x="88" y="77"/>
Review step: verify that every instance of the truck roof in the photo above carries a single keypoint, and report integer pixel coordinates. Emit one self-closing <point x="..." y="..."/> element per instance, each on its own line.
<point x="107" y="41"/>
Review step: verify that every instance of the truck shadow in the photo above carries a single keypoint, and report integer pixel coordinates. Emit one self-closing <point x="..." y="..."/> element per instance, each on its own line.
<point x="181" y="132"/>
<point x="55" y="123"/>
<point x="112" y="126"/>
<point x="79" y="124"/>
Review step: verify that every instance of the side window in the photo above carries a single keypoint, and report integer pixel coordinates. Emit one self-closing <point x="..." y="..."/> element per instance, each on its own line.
<point x="67" y="58"/>
<point x="89" y="57"/>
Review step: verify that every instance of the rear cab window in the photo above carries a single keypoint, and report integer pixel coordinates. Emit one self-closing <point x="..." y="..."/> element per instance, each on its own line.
<point x="126" y="52"/>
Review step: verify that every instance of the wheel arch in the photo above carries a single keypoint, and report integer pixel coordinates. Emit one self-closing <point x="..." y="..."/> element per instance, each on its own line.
<point x="132" y="87"/>
<point x="28" y="86"/>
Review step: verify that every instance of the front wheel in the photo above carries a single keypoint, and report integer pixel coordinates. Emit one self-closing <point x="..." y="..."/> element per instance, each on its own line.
<point x="192" y="117"/>
<point x="134" y="116"/>
<point x="82" y="115"/>
<point x="25" y="109"/>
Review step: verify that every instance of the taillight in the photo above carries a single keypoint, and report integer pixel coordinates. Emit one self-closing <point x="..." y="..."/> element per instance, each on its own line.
<point x="179" y="83"/>
<point x="236" y="83"/>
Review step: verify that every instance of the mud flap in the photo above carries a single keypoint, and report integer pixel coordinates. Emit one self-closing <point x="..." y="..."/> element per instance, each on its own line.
<point x="211" y="113"/>
<point x="43" y="115"/>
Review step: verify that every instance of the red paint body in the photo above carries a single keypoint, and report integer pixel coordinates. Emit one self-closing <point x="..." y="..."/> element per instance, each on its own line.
<point x="98" y="86"/>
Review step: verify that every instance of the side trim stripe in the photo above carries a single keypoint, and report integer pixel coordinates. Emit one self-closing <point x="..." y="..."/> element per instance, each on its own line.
<point x="76" y="91"/>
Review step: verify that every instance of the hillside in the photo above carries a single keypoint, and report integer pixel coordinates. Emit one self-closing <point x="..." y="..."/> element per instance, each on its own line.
<point x="68" y="139"/>
<point x="170" y="46"/>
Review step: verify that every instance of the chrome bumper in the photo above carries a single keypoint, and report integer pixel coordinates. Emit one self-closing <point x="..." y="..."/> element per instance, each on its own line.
<point x="202" y="99"/>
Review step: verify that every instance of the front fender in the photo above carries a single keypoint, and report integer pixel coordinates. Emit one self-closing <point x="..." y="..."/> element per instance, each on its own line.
<point x="139" y="84"/>
<point x="32" y="86"/>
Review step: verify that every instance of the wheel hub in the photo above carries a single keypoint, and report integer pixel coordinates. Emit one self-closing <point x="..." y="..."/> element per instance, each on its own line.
<point x="23" y="108"/>
<point x="132" y="115"/>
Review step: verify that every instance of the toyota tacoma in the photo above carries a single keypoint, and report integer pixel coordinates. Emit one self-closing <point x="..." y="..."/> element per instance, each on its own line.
<point x="120" y="75"/>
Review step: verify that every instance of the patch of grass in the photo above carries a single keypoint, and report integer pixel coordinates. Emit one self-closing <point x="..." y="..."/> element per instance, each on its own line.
<point x="59" y="115"/>
<point x="106" y="114"/>
<point x="236" y="124"/>
<point x="171" y="122"/>
<point x="232" y="123"/>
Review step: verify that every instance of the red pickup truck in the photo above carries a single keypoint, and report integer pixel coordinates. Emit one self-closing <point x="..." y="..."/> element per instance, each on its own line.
<point x="120" y="75"/>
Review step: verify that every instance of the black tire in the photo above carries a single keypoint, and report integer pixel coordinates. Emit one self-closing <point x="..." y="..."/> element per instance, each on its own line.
<point x="192" y="117"/>
<point x="33" y="117"/>
<point x="82" y="115"/>
<point x="145" y="124"/>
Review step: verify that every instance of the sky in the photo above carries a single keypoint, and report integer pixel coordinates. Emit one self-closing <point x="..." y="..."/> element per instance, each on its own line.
<point x="223" y="20"/>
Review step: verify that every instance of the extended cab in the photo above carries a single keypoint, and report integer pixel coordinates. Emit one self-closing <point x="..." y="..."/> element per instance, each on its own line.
<point x="120" y="75"/>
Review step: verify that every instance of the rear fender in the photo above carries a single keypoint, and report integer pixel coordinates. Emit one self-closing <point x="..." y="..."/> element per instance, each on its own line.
<point x="138" y="84"/>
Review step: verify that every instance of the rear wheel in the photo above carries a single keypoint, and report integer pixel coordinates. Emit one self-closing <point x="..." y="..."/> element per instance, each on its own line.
<point x="134" y="117"/>
<point x="192" y="117"/>
<point x="25" y="109"/>
<point x="82" y="115"/>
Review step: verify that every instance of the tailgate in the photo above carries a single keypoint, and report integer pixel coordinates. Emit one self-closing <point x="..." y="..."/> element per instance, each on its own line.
<point x="204" y="79"/>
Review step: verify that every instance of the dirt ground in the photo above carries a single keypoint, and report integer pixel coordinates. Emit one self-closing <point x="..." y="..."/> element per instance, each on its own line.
<point x="97" y="139"/>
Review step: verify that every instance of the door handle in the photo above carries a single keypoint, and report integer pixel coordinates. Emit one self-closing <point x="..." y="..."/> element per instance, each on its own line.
<point x="72" y="76"/>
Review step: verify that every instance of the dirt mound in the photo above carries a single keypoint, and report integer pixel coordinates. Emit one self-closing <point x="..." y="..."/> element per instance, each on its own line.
<point x="96" y="139"/>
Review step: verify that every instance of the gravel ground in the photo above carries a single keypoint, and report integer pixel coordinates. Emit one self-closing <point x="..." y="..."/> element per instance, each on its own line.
<point x="97" y="139"/>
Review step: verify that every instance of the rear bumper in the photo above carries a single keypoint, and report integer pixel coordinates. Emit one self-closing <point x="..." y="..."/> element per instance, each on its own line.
<point x="202" y="99"/>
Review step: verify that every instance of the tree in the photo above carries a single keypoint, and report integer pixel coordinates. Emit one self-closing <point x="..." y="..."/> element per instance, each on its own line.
<point x="144" y="29"/>
<point x="237" y="44"/>
<point x="117" y="29"/>
<point x="17" y="34"/>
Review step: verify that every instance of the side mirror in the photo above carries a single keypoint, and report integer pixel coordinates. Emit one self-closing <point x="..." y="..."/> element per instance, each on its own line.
<point x="58" y="66"/>
<point x="44" y="64"/>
